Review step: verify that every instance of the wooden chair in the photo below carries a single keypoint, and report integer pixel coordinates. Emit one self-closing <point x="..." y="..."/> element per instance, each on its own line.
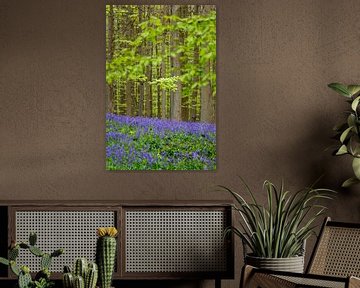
<point x="335" y="262"/>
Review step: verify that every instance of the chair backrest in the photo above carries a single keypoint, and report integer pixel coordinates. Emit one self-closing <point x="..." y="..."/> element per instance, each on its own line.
<point x="337" y="251"/>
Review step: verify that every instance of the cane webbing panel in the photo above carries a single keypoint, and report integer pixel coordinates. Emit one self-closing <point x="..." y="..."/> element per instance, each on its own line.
<point x="74" y="231"/>
<point x="338" y="252"/>
<point x="313" y="282"/>
<point x="175" y="241"/>
<point x="267" y="280"/>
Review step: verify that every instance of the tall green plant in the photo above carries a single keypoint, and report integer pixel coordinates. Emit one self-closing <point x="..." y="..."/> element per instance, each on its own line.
<point x="279" y="229"/>
<point x="348" y="132"/>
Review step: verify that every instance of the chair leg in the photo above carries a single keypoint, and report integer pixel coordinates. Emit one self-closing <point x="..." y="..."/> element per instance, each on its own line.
<point x="246" y="273"/>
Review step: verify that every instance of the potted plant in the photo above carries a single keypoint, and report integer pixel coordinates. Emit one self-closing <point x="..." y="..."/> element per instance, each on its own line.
<point x="276" y="233"/>
<point x="348" y="132"/>
<point x="42" y="278"/>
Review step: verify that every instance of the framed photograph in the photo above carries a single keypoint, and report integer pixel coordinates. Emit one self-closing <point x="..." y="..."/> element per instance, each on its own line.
<point x="160" y="87"/>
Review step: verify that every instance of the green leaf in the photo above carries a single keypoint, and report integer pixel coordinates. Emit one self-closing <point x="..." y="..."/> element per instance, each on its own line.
<point x="349" y="182"/>
<point x="345" y="134"/>
<point x="353" y="89"/>
<point x="351" y="121"/>
<point x="354" y="145"/>
<point x="342" y="150"/>
<point x="355" y="103"/>
<point x="14" y="268"/>
<point x="340" y="88"/>
<point x="4" y="261"/>
<point x="356" y="167"/>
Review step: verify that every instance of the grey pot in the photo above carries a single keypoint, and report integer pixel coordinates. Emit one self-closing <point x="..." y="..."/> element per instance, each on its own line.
<point x="291" y="264"/>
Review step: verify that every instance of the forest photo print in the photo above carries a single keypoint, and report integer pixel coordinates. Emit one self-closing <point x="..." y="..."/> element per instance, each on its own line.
<point x="160" y="87"/>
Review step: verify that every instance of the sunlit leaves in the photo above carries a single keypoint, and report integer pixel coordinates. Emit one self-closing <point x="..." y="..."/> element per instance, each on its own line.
<point x="198" y="32"/>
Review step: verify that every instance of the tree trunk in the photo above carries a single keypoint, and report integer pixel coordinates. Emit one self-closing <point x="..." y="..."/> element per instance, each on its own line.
<point x="110" y="55"/>
<point x="163" y="75"/>
<point x="206" y="99"/>
<point x="128" y="97"/>
<point x="184" y="98"/>
<point x="141" y="83"/>
<point x="176" y="95"/>
<point x="195" y="93"/>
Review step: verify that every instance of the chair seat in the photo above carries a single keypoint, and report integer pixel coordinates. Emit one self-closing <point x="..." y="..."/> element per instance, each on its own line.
<point x="268" y="279"/>
<point x="315" y="282"/>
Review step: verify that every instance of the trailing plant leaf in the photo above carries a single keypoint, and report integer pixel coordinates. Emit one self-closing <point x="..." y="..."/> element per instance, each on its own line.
<point x="345" y="134"/>
<point x="353" y="89"/>
<point x="342" y="150"/>
<point x="356" y="167"/>
<point x="355" y="103"/>
<point x="340" y="88"/>
<point x="349" y="132"/>
<point x="349" y="182"/>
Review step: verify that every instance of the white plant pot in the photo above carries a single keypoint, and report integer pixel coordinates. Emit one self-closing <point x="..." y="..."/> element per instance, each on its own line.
<point x="291" y="264"/>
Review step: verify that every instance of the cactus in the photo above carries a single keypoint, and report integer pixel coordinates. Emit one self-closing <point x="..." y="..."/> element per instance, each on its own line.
<point x="14" y="268"/>
<point x="91" y="276"/>
<point x="13" y="253"/>
<point x="105" y="254"/>
<point x="4" y="261"/>
<point x="36" y="251"/>
<point x="79" y="282"/>
<point x="23" y="273"/>
<point x="67" y="269"/>
<point x="57" y="252"/>
<point x="87" y="272"/>
<point x="24" y="280"/>
<point x="68" y="280"/>
<point x="45" y="261"/>
<point x="80" y="267"/>
<point x="44" y="273"/>
<point x="32" y="238"/>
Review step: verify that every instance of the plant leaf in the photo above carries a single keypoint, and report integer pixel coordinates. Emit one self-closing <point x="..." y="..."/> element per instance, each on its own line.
<point x="345" y="134"/>
<point x="355" y="103"/>
<point x="340" y="88"/>
<point x="4" y="261"/>
<point x="353" y="89"/>
<point x="342" y="150"/>
<point x="356" y="167"/>
<point x="349" y="182"/>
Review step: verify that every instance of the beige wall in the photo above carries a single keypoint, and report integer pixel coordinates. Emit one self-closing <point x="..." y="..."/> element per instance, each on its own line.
<point x="275" y="113"/>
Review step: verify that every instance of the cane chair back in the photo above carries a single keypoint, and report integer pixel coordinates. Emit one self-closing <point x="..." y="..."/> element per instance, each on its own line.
<point x="337" y="252"/>
<point x="335" y="262"/>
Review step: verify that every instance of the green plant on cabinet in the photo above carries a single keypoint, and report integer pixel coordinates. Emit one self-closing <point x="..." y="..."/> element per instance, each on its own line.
<point x="42" y="278"/>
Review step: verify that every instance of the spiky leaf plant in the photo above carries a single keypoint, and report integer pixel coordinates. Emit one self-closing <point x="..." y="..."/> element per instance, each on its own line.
<point x="279" y="229"/>
<point x="348" y="132"/>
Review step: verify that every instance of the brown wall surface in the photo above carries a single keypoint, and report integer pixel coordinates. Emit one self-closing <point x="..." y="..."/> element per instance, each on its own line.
<point x="275" y="113"/>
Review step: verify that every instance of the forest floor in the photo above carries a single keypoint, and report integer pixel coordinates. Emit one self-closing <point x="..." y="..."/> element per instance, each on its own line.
<point x="142" y="143"/>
